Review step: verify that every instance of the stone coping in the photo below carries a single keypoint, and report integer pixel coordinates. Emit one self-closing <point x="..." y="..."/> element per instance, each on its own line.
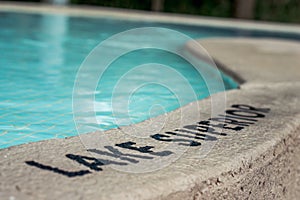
<point x="258" y="157"/>
<point x="91" y="11"/>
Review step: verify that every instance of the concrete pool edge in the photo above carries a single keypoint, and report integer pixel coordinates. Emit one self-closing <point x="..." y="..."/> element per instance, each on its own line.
<point x="90" y="11"/>
<point x="274" y="164"/>
<point x="233" y="168"/>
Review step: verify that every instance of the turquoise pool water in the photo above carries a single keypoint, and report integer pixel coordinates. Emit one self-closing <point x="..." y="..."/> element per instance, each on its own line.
<point x="40" y="55"/>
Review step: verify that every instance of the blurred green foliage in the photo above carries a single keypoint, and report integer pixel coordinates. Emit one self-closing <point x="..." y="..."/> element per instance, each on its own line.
<point x="270" y="10"/>
<point x="131" y="4"/>
<point x="278" y="10"/>
<point x="218" y="8"/>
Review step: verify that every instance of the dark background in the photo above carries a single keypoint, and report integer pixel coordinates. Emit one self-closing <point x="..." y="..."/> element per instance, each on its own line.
<point x="268" y="10"/>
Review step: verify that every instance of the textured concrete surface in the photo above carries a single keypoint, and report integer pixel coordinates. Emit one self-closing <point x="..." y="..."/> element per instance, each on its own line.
<point x="260" y="161"/>
<point x="258" y="61"/>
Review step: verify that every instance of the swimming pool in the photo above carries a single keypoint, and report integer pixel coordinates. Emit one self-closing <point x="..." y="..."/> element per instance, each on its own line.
<point x="41" y="53"/>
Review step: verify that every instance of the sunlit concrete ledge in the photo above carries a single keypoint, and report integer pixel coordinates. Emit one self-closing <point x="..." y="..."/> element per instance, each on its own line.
<point x="260" y="161"/>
